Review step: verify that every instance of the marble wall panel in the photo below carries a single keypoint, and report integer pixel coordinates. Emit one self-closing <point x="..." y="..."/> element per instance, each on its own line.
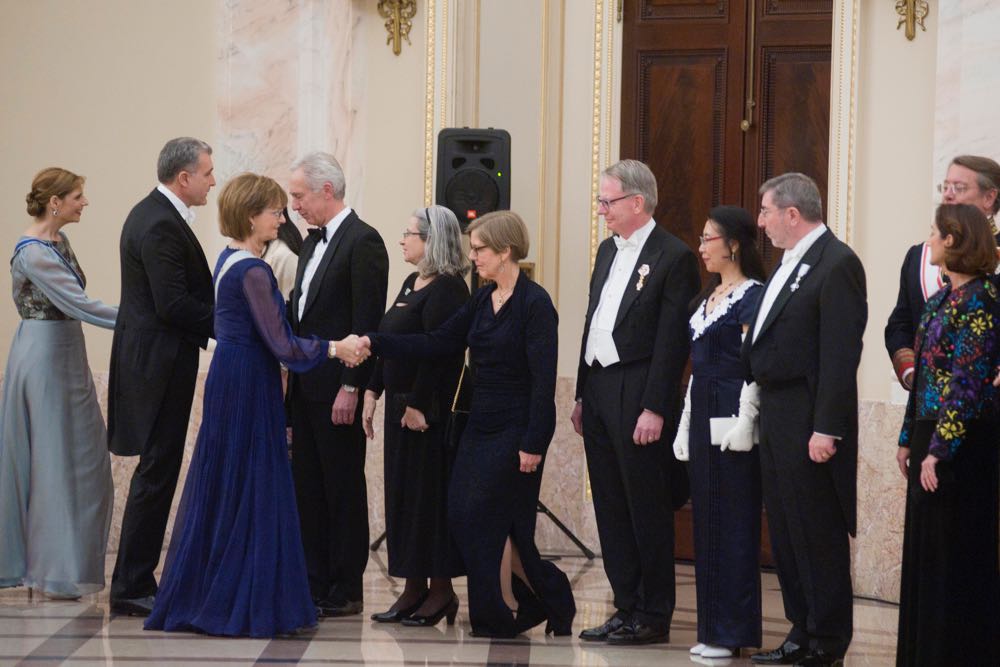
<point x="967" y="82"/>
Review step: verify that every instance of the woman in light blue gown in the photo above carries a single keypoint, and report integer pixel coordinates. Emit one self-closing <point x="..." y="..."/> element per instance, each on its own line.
<point x="56" y="491"/>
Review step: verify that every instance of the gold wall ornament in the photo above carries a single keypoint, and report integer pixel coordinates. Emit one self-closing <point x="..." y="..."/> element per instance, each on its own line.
<point x="397" y="15"/>
<point x="912" y="13"/>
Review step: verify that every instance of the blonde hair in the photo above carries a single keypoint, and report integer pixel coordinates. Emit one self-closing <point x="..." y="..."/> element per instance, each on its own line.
<point x="49" y="183"/>
<point x="244" y="197"/>
<point x="501" y="230"/>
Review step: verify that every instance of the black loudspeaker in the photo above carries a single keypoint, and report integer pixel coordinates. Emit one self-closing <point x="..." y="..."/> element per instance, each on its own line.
<point x="473" y="171"/>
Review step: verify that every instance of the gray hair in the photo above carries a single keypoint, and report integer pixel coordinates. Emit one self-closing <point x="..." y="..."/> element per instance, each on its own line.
<point x="635" y="178"/>
<point x="798" y="190"/>
<point x="442" y="236"/>
<point x="320" y="168"/>
<point x="180" y="154"/>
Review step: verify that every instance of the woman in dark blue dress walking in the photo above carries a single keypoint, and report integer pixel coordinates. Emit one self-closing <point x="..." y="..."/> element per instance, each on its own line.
<point x="235" y="564"/>
<point x="510" y="329"/>
<point x="724" y="472"/>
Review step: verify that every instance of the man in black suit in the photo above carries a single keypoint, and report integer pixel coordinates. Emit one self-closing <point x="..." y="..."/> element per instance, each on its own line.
<point x="635" y="346"/>
<point x="340" y="288"/>
<point x="973" y="180"/>
<point x="165" y="315"/>
<point x="803" y="349"/>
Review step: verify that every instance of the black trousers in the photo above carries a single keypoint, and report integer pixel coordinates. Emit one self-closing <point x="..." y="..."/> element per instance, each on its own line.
<point x="153" y="483"/>
<point x="809" y="537"/>
<point x="328" y="464"/>
<point x="631" y="491"/>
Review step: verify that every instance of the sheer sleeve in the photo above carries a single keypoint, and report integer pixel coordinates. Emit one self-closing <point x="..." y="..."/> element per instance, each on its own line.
<point x="265" y="303"/>
<point x="447" y="339"/>
<point x="39" y="263"/>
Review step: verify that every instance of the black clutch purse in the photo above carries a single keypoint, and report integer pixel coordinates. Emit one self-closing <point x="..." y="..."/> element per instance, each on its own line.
<point x="458" y="417"/>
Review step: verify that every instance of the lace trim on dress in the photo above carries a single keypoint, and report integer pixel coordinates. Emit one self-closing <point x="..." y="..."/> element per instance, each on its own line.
<point x="700" y="321"/>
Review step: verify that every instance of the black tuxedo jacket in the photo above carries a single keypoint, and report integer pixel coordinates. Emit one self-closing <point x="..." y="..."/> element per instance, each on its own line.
<point x="346" y="295"/>
<point x="652" y="323"/>
<point x="166" y="309"/>
<point x="813" y="336"/>
<point x="901" y="328"/>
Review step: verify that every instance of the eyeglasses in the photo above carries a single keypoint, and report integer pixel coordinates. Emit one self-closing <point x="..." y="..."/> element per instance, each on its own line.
<point x="278" y="212"/>
<point x="408" y="234"/>
<point x="705" y="240"/>
<point x="606" y="203"/>
<point x="956" y="188"/>
<point x="476" y="249"/>
<point x="765" y="211"/>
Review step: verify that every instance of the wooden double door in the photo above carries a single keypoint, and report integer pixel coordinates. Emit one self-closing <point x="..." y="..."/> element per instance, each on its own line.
<point x="717" y="97"/>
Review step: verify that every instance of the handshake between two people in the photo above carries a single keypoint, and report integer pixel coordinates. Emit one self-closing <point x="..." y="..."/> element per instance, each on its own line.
<point x="351" y="351"/>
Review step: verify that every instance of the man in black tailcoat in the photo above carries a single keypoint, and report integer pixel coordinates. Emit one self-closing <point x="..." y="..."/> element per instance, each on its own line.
<point x="803" y="349"/>
<point x="165" y="315"/>
<point x="635" y="347"/>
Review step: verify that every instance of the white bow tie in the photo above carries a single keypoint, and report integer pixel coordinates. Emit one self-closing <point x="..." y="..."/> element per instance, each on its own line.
<point x="630" y="243"/>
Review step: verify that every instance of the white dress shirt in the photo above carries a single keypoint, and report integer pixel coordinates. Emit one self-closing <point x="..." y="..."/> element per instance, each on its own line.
<point x="307" y="275"/>
<point x="186" y="213"/>
<point x="789" y="260"/>
<point x="600" y="342"/>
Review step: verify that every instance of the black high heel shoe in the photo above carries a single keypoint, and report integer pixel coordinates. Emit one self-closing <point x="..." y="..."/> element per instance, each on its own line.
<point x="559" y="628"/>
<point x="450" y="610"/>
<point x="400" y="614"/>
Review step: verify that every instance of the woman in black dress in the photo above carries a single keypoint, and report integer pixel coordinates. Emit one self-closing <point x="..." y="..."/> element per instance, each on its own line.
<point x="949" y="603"/>
<point x="725" y="474"/>
<point x="418" y="397"/>
<point x="510" y="328"/>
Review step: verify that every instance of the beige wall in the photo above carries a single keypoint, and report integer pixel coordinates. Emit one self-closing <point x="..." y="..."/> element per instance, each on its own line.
<point x="894" y="174"/>
<point x="97" y="87"/>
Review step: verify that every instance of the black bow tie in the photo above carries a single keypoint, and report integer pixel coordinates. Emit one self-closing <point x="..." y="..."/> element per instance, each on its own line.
<point x="318" y="234"/>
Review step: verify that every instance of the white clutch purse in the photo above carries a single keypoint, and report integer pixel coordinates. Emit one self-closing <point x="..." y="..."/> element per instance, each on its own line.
<point x="720" y="426"/>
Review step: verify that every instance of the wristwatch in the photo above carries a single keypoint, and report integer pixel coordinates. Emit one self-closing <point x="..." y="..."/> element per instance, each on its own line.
<point x="349" y="388"/>
<point x="331" y="350"/>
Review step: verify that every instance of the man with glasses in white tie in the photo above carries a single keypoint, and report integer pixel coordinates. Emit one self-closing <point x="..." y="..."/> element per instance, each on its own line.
<point x="635" y="347"/>
<point x="971" y="179"/>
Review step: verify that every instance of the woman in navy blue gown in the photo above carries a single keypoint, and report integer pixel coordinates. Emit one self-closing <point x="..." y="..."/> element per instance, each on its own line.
<point x="235" y="564"/>
<point x="725" y="475"/>
<point x="510" y="328"/>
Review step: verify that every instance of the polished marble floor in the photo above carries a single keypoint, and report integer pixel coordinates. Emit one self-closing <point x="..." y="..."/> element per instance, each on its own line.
<point x="35" y="631"/>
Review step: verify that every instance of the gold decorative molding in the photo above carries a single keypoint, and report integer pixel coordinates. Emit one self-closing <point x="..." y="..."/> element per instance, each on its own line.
<point x="430" y="29"/>
<point x="397" y="15"/>
<point x="912" y="14"/>
<point x="595" y="137"/>
<point x="843" y="118"/>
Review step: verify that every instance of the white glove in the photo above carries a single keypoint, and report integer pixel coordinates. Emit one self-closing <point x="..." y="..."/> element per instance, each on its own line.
<point x="740" y="437"/>
<point x="683" y="428"/>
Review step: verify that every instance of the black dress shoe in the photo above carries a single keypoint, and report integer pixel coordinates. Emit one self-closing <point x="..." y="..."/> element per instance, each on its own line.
<point x="788" y="653"/>
<point x="820" y="658"/>
<point x="398" y="615"/>
<point x="636" y="634"/>
<point x="328" y="609"/>
<point x="133" y="606"/>
<point x="601" y="632"/>
<point x="450" y="610"/>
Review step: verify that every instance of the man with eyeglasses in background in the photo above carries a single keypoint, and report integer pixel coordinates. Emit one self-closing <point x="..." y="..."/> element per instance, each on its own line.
<point x="635" y="347"/>
<point x="973" y="180"/>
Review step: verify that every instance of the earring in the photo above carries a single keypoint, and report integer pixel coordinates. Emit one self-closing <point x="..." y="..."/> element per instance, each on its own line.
<point x="732" y="256"/>
<point x="55" y="213"/>
<point x="251" y="226"/>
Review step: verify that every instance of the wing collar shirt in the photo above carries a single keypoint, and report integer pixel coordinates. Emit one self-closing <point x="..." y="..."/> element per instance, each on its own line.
<point x="317" y="256"/>
<point x="789" y="261"/>
<point x="186" y="213"/>
<point x="600" y="341"/>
